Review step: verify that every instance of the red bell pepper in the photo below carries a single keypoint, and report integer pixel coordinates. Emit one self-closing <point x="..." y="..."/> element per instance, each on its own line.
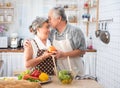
<point x="35" y="73"/>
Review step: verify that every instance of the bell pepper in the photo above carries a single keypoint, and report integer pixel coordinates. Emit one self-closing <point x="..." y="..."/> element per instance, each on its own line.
<point x="35" y="73"/>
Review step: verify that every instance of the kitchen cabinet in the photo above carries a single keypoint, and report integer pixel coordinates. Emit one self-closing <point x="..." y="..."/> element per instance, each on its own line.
<point x="89" y="61"/>
<point x="6" y="14"/>
<point x="13" y="61"/>
<point x="71" y="9"/>
<point x="91" y="14"/>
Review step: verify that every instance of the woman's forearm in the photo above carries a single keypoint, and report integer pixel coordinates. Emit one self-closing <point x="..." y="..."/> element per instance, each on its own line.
<point x="33" y="62"/>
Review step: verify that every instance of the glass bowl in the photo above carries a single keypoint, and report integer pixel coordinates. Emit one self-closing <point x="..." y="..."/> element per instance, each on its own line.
<point x="65" y="77"/>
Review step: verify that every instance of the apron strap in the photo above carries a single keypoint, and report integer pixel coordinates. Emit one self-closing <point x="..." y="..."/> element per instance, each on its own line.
<point x="66" y="36"/>
<point x="54" y="37"/>
<point x="36" y="44"/>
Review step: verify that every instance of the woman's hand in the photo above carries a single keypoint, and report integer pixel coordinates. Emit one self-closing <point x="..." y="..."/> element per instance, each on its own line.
<point x="46" y="54"/>
<point x="27" y="43"/>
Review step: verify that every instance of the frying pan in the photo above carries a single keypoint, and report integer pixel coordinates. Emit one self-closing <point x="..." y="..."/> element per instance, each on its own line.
<point x="105" y="35"/>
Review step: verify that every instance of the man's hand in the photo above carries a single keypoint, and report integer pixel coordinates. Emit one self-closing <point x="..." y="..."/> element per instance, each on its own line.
<point x="59" y="54"/>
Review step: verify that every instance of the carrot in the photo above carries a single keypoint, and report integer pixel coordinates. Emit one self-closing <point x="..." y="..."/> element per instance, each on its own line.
<point x="28" y="76"/>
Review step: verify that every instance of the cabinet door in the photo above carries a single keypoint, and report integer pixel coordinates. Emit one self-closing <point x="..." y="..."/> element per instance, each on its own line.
<point x="1" y="65"/>
<point x="0" y="56"/>
<point x="12" y="62"/>
<point x="90" y="63"/>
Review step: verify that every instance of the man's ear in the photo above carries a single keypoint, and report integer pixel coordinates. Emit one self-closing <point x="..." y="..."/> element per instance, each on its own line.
<point x="59" y="18"/>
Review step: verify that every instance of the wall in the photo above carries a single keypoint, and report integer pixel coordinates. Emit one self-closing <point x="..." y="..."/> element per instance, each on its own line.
<point x="108" y="55"/>
<point x="25" y="11"/>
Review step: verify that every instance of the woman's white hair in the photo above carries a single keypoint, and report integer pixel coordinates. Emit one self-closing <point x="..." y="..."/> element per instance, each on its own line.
<point x="59" y="11"/>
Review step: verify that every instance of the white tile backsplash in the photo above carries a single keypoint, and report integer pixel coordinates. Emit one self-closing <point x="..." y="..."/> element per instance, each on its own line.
<point x="108" y="55"/>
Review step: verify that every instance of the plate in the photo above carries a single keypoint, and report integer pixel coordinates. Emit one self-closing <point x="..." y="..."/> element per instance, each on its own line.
<point x="15" y="78"/>
<point x="48" y="81"/>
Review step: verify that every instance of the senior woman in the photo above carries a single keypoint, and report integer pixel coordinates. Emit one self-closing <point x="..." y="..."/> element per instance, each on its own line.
<point x="35" y="50"/>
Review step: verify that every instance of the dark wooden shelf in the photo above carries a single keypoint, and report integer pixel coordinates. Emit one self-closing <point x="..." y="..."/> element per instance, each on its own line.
<point x="12" y="50"/>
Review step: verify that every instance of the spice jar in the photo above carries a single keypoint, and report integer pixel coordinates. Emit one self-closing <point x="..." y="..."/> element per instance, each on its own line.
<point x="1" y="18"/>
<point x="89" y="43"/>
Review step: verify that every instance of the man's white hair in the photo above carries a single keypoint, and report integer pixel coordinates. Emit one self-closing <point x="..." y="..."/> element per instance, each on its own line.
<point x="59" y="11"/>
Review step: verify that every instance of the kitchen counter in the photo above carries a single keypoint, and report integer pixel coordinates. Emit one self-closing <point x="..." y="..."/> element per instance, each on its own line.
<point x="12" y="50"/>
<point x="22" y="50"/>
<point x="75" y="84"/>
<point x="91" y="50"/>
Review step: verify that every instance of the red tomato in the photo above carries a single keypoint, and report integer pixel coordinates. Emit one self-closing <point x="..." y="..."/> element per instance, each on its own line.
<point x="27" y="76"/>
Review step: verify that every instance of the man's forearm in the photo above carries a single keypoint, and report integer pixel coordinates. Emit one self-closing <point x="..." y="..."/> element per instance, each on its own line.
<point x="74" y="53"/>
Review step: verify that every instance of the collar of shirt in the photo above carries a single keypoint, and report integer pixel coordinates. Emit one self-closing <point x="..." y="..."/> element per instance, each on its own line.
<point x="63" y="32"/>
<point x="40" y="43"/>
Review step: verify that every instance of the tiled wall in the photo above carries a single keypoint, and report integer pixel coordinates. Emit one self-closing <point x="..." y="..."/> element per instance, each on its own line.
<point x="108" y="55"/>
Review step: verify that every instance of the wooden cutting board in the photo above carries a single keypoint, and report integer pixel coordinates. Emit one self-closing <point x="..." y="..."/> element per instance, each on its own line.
<point x="18" y="84"/>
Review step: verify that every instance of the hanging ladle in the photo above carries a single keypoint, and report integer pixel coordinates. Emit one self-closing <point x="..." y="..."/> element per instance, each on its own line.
<point x="105" y="35"/>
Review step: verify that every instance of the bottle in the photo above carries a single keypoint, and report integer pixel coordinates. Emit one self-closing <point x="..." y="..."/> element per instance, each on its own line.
<point x="90" y="45"/>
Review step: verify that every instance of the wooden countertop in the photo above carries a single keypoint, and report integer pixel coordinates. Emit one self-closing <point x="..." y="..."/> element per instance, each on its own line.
<point x="75" y="84"/>
<point x="22" y="50"/>
<point x="91" y="50"/>
<point x="12" y="50"/>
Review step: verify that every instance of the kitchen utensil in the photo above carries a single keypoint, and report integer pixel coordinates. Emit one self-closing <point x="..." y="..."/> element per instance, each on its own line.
<point x="70" y="67"/>
<point x="55" y="67"/>
<point x="86" y="77"/>
<point x="14" y="40"/>
<point x="20" y="43"/>
<point x="97" y="32"/>
<point x="105" y="35"/>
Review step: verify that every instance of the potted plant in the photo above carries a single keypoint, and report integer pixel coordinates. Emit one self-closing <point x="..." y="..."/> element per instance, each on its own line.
<point x="2" y="29"/>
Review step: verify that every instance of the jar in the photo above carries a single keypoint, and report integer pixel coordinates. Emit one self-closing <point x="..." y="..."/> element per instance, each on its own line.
<point x="86" y="5"/>
<point x="9" y="18"/>
<point x="8" y="4"/>
<point x="1" y="18"/>
<point x="89" y="43"/>
<point x="94" y="2"/>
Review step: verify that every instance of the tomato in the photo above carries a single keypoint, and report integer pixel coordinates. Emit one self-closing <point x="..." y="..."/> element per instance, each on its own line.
<point x="27" y="76"/>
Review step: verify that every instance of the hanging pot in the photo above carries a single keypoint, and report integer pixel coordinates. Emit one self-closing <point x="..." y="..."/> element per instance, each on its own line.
<point x="105" y="36"/>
